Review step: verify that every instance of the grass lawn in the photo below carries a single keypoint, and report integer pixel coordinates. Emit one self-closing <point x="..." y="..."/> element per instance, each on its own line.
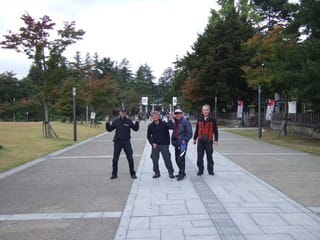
<point x="23" y="141"/>
<point x="300" y="143"/>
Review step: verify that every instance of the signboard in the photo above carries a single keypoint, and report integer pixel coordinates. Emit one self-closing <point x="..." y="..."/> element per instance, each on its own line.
<point x="174" y="101"/>
<point x="292" y="107"/>
<point x="93" y="115"/>
<point x="144" y="101"/>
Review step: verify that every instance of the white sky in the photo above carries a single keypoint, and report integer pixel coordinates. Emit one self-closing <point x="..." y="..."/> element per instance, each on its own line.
<point x="143" y="31"/>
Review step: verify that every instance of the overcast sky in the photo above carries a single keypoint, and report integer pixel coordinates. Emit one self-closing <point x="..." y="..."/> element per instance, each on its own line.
<point x="143" y="31"/>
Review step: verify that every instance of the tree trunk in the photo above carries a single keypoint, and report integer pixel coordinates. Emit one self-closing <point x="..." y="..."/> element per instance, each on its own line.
<point x="284" y="123"/>
<point x="48" y="131"/>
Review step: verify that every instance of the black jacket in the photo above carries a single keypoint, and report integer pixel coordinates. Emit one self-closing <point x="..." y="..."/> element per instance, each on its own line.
<point x="122" y="126"/>
<point x="158" y="133"/>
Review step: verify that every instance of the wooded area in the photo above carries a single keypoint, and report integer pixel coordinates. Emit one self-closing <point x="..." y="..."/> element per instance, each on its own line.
<point x="274" y="44"/>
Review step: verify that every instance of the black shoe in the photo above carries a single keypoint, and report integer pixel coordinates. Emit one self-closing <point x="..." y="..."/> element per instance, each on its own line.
<point x="171" y="175"/>
<point x="113" y="177"/>
<point x="133" y="176"/>
<point x="157" y="175"/>
<point x="211" y="173"/>
<point x="180" y="174"/>
<point x="180" y="177"/>
<point x="199" y="173"/>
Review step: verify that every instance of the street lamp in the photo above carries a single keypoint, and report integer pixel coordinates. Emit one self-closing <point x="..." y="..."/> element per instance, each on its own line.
<point x="215" y="106"/>
<point x="14" y="109"/>
<point x="74" y="113"/>
<point x="259" y="112"/>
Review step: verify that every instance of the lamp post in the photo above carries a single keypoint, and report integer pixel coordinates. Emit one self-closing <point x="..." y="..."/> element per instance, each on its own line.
<point x="74" y="114"/>
<point x="215" y="106"/>
<point x="259" y="112"/>
<point x="14" y="109"/>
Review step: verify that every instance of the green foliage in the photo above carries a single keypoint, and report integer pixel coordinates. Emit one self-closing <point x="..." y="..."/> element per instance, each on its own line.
<point x="214" y="68"/>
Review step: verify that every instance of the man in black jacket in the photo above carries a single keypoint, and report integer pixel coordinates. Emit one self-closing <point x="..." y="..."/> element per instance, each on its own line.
<point x="207" y="134"/>
<point x="159" y="138"/>
<point x="121" y="140"/>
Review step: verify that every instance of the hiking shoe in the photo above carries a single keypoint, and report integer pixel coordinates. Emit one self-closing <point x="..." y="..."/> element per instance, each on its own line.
<point x="180" y="177"/>
<point x="199" y="173"/>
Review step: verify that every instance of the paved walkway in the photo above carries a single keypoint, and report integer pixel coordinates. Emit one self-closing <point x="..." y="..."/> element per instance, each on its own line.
<point x="68" y="195"/>
<point x="233" y="204"/>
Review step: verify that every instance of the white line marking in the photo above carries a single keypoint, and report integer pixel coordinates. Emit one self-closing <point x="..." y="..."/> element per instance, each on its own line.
<point x="101" y="156"/>
<point x="59" y="216"/>
<point x="239" y="153"/>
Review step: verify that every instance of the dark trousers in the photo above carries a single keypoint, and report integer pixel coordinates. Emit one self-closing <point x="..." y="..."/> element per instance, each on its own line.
<point x="180" y="160"/>
<point x="165" y="153"/>
<point x="126" y="146"/>
<point x="205" y="147"/>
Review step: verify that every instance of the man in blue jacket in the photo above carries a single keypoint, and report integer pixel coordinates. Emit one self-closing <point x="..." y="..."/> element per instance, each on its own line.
<point x="182" y="133"/>
<point x="159" y="138"/>
<point x="121" y="140"/>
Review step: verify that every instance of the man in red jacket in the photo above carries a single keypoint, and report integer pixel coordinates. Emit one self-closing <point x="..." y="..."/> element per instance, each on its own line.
<point x="207" y="134"/>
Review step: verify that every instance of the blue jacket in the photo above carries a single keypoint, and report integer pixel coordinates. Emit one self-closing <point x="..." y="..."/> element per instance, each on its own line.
<point x="185" y="132"/>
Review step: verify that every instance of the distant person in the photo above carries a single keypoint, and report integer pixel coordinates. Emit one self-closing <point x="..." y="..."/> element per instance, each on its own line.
<point x="181" y="134"/>
<point x="121" y="140"/>
<point x="159" y="138"/>
<point x="206" y="133"/>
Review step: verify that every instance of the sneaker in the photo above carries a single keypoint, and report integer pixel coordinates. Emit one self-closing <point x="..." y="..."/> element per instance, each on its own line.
<point x="133" y="176"/>
<point x="180" y="177"/>
<point x="171" y="175"/>
<point x="211" y="173"/>
<point x="113" y="177"/>
<point x="199" y="173"/>
<point x="157" y="175"/>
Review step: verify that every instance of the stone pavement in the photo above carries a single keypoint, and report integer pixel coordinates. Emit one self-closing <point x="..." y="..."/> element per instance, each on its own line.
<point x="233" y="204"/>
<point x="68" y="195"/>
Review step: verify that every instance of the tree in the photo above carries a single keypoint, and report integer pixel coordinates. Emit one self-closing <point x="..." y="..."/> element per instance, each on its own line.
<point x="274" y="13"/>
<point x="274" y="65"/>
<point x="143" y="82"/>
<point x="33" y="39"/>
<point x="214" y="66"/>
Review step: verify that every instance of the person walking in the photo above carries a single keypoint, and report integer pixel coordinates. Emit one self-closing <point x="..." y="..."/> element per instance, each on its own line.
<point x="122" y="125"/>
<point x="159" y="138"/>
<point x="206" y="133"/>
<point x="181" y="134"/>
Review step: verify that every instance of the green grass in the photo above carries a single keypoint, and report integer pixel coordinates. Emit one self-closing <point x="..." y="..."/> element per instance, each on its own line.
<point x="300" y="143"/>
<point x="23" y="141"/>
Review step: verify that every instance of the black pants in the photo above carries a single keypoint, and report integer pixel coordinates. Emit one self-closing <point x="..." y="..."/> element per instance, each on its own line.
<point x="126" y="146"/>
<point x="205" y="147"/>
<point x="180" y="160"/>
<point x="155" y="155"/>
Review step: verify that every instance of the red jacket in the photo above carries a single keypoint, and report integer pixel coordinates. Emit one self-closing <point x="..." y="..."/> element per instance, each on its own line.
<point x="206" y="127"/>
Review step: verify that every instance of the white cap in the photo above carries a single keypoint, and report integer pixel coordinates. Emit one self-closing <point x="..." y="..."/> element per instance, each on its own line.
<point x="178" y="110"/>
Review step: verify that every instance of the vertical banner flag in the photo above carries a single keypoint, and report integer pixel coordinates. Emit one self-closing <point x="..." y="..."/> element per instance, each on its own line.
<point x="270" y="109"/>
<point x="144" y="101"/>
<point x="174" y="101"/>
<point x="240" y="109"/>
